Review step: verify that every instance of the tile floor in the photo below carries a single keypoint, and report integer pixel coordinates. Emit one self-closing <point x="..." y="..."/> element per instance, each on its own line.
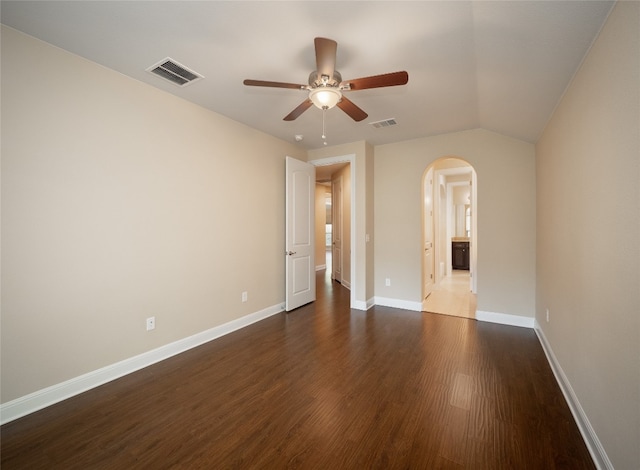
<point x="452" y="297"/>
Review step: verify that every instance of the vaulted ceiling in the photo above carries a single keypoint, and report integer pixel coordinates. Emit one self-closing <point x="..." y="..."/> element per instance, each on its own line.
<point x="498" y="65"/>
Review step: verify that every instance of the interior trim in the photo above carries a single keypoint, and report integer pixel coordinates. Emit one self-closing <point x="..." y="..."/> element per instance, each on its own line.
<point x="598" y="454"/>
<point x="505" y="319"/>
<point x="40" y="399"/>
<point x="398" y="303"/>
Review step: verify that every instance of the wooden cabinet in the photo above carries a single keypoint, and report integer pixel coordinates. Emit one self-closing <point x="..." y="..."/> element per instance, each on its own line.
<point x="460" y="255"/>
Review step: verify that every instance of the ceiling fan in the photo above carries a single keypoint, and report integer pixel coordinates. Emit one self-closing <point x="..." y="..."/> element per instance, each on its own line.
<point x="326" y="86"/>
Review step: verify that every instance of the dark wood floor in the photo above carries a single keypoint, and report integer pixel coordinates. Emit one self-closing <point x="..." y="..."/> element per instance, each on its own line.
<point x="323" y="387"/>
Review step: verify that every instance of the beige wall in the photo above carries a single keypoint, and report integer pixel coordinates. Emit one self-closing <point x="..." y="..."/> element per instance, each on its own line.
<point x="120" y="202"/>
<point x="506" y="217"/>
<point x="588" y="237"/>
<point x="461" y="195"/>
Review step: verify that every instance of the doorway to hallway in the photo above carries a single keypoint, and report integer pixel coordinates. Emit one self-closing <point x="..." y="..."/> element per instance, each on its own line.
<point x="334" y="212"/>
<point x="449" y="230"/>
<point x="452" y="296"/>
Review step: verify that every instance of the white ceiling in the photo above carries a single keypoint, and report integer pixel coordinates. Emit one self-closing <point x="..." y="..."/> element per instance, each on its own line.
<point x="501" y="65"/>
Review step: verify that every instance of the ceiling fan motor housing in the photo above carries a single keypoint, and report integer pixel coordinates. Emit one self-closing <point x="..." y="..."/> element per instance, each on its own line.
<point x="316" y="80"/>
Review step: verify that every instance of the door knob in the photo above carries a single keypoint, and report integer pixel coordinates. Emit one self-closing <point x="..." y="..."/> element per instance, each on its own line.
<point x="290" y="253"/>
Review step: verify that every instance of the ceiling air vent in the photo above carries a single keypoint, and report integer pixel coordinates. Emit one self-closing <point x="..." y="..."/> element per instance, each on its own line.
<point x="384" y="123"/>
<point x="176" y="73"/>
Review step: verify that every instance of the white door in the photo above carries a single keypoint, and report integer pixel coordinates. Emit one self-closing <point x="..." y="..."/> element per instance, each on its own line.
<point x="300" y="233"/>
<point x="428" y="251"/>
<point x="336" y="229"/>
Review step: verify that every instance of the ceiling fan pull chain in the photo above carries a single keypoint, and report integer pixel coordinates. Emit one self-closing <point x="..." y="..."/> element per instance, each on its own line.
<point x="324" y="135"/>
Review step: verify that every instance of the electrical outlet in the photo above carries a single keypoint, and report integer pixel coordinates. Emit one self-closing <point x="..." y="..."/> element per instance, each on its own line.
<point x="151" y="323"/>
<point x="387" y="282"/>
<point x="245" y="296"/>
<point x="547" y="315"/>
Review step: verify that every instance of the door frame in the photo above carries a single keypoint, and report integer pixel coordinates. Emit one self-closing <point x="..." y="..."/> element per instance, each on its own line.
<point x="429" y="221"/>
<point x="351" y="159"/>
<point x="336" y="232"/>
<point x="473" y="261"/>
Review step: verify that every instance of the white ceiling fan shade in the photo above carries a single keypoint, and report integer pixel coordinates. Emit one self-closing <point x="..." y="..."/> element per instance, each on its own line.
<point x="325" y="97"/>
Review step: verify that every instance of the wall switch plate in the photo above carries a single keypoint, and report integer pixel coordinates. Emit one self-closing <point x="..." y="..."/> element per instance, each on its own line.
<point x="151" y="323"/>
<point x="245" y="296"/>
<point x="387" y="282"/>
<point x="547" y="315"/>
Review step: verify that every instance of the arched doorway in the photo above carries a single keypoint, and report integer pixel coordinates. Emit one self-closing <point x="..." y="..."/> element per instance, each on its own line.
<point x="449" y="237"/>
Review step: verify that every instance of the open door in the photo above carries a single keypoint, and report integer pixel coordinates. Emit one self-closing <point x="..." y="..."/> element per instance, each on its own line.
<point x="300" y="234"/>
<point x="428" y="259"/>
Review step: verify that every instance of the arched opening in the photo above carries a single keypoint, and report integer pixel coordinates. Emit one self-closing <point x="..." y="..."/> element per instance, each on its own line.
<point x="449" y="237"/>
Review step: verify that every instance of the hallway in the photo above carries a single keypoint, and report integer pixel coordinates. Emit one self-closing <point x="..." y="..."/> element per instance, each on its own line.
<point x="452" y="297"/>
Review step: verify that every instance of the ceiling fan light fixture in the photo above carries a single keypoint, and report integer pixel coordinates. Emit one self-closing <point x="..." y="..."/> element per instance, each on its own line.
<point x="326" y="86"/>
<point x="325" y="97"/>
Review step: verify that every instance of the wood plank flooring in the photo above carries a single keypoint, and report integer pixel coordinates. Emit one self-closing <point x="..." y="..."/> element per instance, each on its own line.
<point x="323" y="387"/>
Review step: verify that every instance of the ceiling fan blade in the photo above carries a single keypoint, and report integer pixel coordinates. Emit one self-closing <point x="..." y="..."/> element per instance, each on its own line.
<point x="274" y="84"/>
<point x="299" y="110"/>
<point x="325" y="56"/>
<point x="351" y="109"/>
<point x="378" y="81"/>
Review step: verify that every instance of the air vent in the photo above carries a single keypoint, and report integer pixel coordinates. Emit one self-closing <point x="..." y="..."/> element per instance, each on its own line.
<point x="174" y="72"/>
<point x="384" y="123"/>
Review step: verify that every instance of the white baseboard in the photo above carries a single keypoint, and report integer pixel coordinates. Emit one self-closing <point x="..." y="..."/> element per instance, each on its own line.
<point x="505" y="319"/>
<point x="359" y="305"/>
<point x="362" y="305"/>
<point x="398" y="303"/>
<point x="321" y="267"/>
<point x="501" y="318"/>
<point x="590" y="437"/>
<point x="35" y="401"/>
